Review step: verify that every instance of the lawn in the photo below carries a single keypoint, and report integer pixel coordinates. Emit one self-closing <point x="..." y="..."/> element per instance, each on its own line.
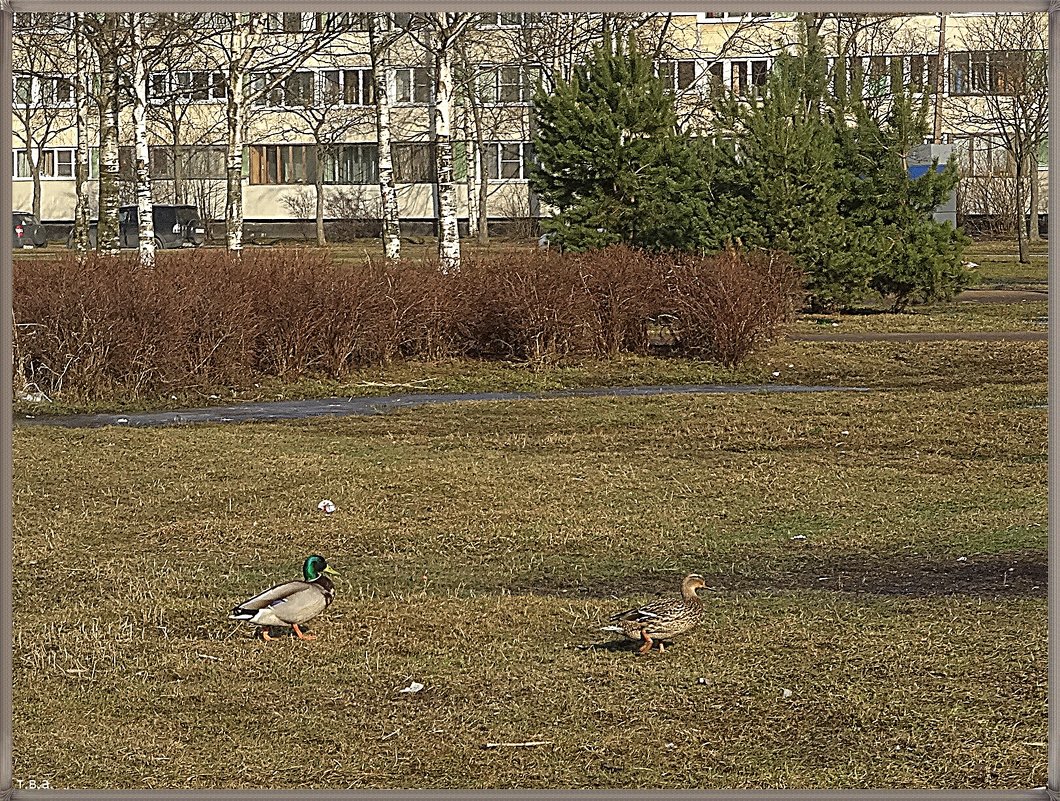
<point x="876" y="560"/>
<point x="876" y="617"/>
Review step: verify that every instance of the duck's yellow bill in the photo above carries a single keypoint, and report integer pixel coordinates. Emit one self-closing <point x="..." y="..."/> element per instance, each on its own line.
<point x="332" y="572"/>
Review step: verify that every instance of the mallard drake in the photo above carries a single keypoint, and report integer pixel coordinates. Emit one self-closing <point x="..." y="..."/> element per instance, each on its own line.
<point x="293" y="603"/>
<point x="664" y="619"/>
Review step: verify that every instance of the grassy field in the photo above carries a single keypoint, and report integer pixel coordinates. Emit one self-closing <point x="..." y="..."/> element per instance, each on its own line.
<point x="999" y="264"/>
<point x="901" y="643"/>
<point x="877" y="564"/>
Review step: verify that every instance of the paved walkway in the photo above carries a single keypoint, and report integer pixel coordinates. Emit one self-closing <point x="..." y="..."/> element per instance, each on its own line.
<point x="922" y="336"/>
<point x="343" y="407"/>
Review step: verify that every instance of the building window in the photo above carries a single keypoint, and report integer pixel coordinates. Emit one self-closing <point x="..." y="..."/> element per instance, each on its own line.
<point x="413" y="163"/>
<point x="292" y="22"/>
<point x="412" y="85"/>
<point x="55" y="162"/>
<point x="987" y="72"/>
<point x="747" y="76"/>
<point x="23" y="90"/>
<point x="916" y="68"/>
<point x="346" y="21"/>
<point x="352" y="164"/>
<point x="296" y="90"/>
<point x="677" y="75"/>
<point x="199" y="86"/>
<point x="282" y="164"/>
<point x="508" y="160"/>
<point x="734" y="16"/>
<point x="347" y="87"/>
<point x="55" y="91"/>
<point x="511" y="19"/>
<point x="193" y="163"/>
<point x="509" y="84"/>
<point x="405" y="20"/>
<point x="22" y="168"/>
<point x="63" y="164"/>
<point x="716" y="71"/>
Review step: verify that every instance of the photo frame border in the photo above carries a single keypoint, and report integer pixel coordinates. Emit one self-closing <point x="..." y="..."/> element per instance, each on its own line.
<point x="8" y="790"/>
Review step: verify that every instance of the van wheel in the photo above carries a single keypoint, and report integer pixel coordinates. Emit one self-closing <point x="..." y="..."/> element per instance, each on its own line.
<point x="158" y="244"/>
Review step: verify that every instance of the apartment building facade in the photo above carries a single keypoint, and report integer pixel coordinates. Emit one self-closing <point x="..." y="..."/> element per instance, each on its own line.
<point x="312" y="115"/>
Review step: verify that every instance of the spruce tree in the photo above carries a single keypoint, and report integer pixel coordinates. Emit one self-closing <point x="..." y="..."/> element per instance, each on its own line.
<point x="811" y="172"/>
<point x="611" y="159"/>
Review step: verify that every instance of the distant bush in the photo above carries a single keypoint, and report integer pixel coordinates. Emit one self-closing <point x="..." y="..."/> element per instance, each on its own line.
<point x="206" y="319"/>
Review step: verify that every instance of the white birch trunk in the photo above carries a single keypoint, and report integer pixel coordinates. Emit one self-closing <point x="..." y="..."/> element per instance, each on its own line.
<point x="81" y="165"/>
<point x="442" y="116"/>
<point x="234" y="167"/>
<point x="389" y="212"/>
<point x="108" y="234"/>
<point x="471" y="171"/>
<point x="144" y="200"/>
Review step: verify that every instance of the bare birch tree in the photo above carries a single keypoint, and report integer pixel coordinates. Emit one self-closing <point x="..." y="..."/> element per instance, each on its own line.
<point x="999" y="88"/>
<point x="82" y="67"/>
<point x="380" y="39"/>
<point x="439" y="35"/>
<point x="105" y="36"/>
<point x="144" y="199"/>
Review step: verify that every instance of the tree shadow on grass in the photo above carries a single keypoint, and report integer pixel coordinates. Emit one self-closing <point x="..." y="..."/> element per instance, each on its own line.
<point x="1016" y="574"/>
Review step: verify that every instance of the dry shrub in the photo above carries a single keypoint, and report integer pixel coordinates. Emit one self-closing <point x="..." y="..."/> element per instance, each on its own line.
<point x="527" y="307"/>
<point x="728" y="304"/>
<point x="626" y="290"/>
<point x="206" y="319"/>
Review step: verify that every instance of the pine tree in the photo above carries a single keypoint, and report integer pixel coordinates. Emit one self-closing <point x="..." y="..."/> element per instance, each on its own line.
<point x="813" y="173"/>
<point x="610" y="158"/>
<point x="916" y="259"/>
<point x="780" y="181"/>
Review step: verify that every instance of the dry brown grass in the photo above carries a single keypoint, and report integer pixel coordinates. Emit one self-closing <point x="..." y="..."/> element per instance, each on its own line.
<point x="480" y="546"/>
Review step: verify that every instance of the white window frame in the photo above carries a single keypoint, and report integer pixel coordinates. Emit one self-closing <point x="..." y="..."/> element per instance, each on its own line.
<point x="490" y="83"/>
<point x="409" y="74"/>
<point x="52" y="159"/>
<point x="493" y="159"/>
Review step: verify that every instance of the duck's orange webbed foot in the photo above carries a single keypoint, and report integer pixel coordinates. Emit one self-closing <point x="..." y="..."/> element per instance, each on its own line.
<point x="300" y="635"/>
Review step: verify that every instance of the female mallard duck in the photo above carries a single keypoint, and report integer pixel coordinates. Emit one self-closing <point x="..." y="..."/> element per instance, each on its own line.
<point x="664" y="619"/>
<point x="292" y="603"/>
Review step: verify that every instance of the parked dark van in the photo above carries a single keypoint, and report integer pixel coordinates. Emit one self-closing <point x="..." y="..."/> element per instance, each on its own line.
<point x="29" y="233"/>
<point x="175" y="227"/>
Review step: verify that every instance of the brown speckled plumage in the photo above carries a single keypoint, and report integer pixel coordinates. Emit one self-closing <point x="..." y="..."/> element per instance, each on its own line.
<point x="663" y="619"/>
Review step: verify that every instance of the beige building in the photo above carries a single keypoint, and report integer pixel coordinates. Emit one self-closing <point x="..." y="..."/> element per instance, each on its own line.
<point x="328" y="100"/>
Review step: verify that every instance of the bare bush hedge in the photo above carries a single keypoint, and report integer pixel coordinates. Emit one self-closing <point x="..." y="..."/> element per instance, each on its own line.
<point x="205" y="319"/>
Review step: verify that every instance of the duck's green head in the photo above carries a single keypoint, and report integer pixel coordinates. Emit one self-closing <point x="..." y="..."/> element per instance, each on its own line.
<point x="315" y="566"/>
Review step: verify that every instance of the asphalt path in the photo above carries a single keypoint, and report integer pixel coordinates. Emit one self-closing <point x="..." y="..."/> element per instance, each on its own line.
<point x="270" y="411"/>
